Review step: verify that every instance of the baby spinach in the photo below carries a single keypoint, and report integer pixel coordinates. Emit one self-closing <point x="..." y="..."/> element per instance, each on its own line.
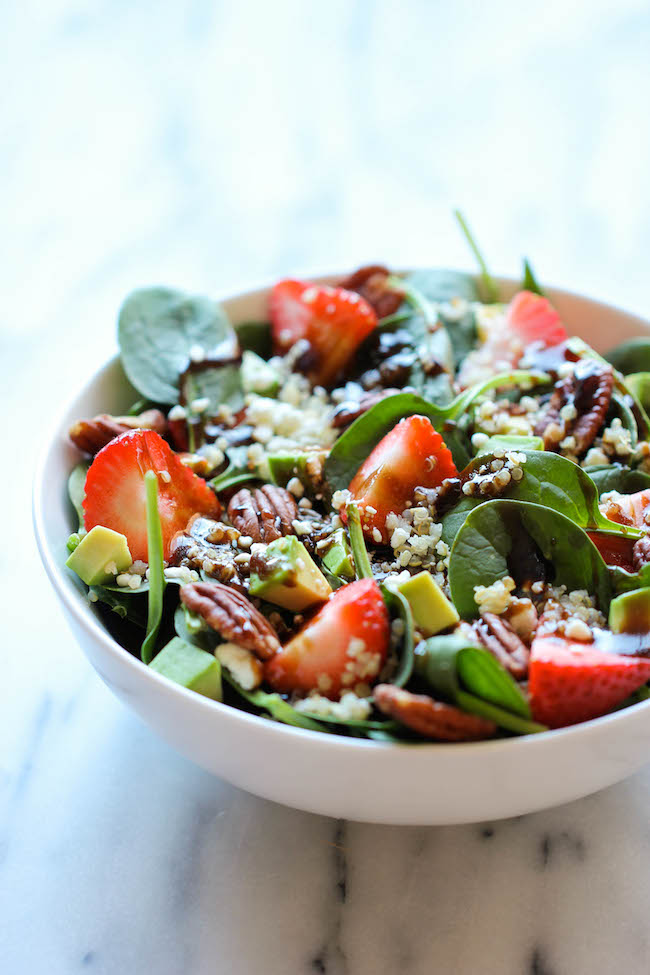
<point x="441" y="285"/>
<point x="431" y="343"/>
<point x="631" y="356"/>
<point x="501" y="538"/>
<point x="77" y="492"/>
<point x="617" y="477"/>
<point x="238" y="470"/>
<point x="639" y="385"/>
<point x="362" y="565"/>
<point x="220" y="385"/>
<point x="192" y="629"/>
<point x="549" y="480"/>
<point x="156" y="570"/>
<point x="362" y="436"/>
<point x="490" y="288"/>
<point x="255" y="337"/>
<point x="121" y="603"/>
<point x="450" y="663"/>
<point x="279" y="709"/>
<point x="399" y="605"/>
<point x="529" y="282"/>
<point x="157" y="328"/>
<point x="504" y="719"/>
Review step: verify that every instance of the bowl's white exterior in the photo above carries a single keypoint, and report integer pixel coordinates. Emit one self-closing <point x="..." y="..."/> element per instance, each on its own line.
<point x="362" y="780"/>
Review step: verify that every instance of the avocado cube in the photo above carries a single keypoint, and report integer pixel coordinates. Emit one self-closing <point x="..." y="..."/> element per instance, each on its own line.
<point x="338" y="557"/>
<point x="307" y="467"/>
<point x="432" y="611"/>
<point x="100" y="556"/>
<point x="503" y="441"/>
<point x="630" y="612"/>
<point x="286" y="574"/>
<point x="258" y="376"/>
<point x="190" y="667"/>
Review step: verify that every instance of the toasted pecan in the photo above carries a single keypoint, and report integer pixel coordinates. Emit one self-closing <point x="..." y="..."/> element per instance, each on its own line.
<point x="371" y="283"/>
<point x="430" y="718"/>
<point x="232" y="615"/>
<point x="91" y="435"/>
<point x="589" y="389"/>
<point x="264" y="513"/>
<point x="500" y="639"/>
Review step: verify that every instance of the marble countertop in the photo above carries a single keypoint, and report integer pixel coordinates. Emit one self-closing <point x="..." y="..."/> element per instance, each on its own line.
<point x="213" y="146"/>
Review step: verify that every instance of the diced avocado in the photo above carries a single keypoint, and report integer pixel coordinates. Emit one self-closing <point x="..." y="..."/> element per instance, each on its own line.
<point x="503" y="441"/>
<point x="285" y="574"/>
<point x="338" y="556"/>
<point x="100" y="556"/>
<point x="258" y="376"/>
<point x="630" y="612"/>
<point x="189" y="666"/>
<point x="432" y="611"/>
<point x="307" y="467"/>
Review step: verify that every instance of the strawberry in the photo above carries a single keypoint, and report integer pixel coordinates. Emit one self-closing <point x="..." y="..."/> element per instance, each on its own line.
<point x="572" y="682"/>
<point x="115" y="490"/>
<point x="534" y="319"/>
<point x="615" y="549"/>
<point x="628" y="509"/>
<point x="412" y="455"/>
<point x="334" y="322"/>
<point x="344" y="644"/>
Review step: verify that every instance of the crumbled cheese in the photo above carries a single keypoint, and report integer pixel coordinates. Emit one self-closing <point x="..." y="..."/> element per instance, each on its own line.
<point x="180" y="573"/>
<point x="340" y="499"/>
<point x="200" y="405"/>
<point x="295" y="486"/>
<point x="177" y="413"/>
<point x="351" y="707"/>
<point x="301" y="527"/>
<point x="241" y="664"/>
<point x="495" y="598"/>
<point x="197" y="353"/>
<point x="110" y="569"/>
<point x="376" y="536"/>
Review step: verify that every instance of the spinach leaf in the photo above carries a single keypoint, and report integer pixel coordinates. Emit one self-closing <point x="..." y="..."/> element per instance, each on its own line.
<point x="362" y="565"/>
<point x="631" y="356"/>
<point x="77" y="492"/>
<point x="617" y="477"/>
<point x="157" y="328"/>
<point x="497" y="536"/>
<point x="255" y="337"/>
<point x="529" y="282"/>
<point x="238" y="470"/>
<point x="462" y="334"/>
<point x="274" y="705"/>
<point x="156" y="570"/>
<point x="218" y="384"/>
<point x="122" y="604"/>
<point x="399" y="605"/>
<point x="362" y="436"/>
<point x="192" y="629"/>
<point x="441" y="285"/>
<point x="549" y="480"/>
<point x="474" y="680"/>
<point x="431" y="343"/>
<point x="639" y="385"/>
<point x="490" y="288"/>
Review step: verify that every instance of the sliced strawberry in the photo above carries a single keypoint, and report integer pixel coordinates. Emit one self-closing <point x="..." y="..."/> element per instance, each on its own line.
<point x="412" y="455"/>
<point x="345" y="644"/>
<point x="115" y="490"/>
<point x="334" y="322"/>
<point x="572" y="682"/>
<point x="615" y="549"/>
<point x="535" y="319"/>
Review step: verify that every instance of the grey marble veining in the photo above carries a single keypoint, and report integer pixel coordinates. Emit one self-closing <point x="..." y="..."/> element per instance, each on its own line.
<point x="213" y="146"/>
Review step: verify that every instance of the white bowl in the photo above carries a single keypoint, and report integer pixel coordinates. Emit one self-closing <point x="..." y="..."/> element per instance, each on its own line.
<point x="344" y="777"/>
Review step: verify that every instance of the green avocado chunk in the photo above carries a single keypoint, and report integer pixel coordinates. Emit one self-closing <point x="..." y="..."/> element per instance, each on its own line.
<point x="307" y="467"/>
<point x="286" y="574"/>
<point x="189" y="666"/>
<point x="100" y="556"/>
<point x="338" y="557"/>
<point x="630" y="612"/>
<point x="432" y="611"/>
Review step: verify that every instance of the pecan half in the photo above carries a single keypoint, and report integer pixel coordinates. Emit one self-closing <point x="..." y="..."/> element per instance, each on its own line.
<point x="370" y="283"/>
<point x="589" y="389"/>
<point x="430" y="718"/>
<point x="263" y="513"/>
<point x="350" y="410"/>
<point x="500" y="639"/>
<point x="232" y="615"/>
<point x="91" y="435"/>
<point x="210" y="547"/>
<point x="641" y="552"/>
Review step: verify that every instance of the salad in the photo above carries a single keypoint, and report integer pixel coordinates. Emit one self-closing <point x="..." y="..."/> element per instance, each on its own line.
<point x="397" y="508"/>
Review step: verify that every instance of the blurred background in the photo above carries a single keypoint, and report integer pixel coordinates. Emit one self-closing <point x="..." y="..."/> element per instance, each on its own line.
<point x="213" y="146"/>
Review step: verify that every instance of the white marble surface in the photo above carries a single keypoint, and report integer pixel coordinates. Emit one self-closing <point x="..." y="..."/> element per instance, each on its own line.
<point x="212" y="146"/>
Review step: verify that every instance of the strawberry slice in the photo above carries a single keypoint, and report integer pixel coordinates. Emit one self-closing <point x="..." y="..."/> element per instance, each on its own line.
<point x="615" y="549"/>
<point x="412" y="455"/>
<point x="572" y="682"/>
<point x="345" y="644"/>
<point x="535" y="319"/>
<point x="334" y="322"/>
<point x="115" y="490"/>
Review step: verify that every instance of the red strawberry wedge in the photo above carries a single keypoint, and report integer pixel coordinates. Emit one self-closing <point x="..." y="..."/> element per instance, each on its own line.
<point x="334" y="322"/>
<point x="343" y="645"/>
<point x="115" y="490"/>
<point x="572" y="682"/>
<point x="412" y="455"/>
<point x="534" y="319"/>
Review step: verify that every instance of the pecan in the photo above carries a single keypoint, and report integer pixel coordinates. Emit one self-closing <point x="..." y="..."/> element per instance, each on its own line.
<point x="430" y="718"/>
<point x="91" y="435"/>
<point x="232" y="615"/>
<point x="370" y="283"/>
<point x="263" y="513"/>
<point x="641" y="552"/>
<point x="589" y="389"/>
<point x="350" y="410"/>
<point x="500" y="639"/>
<point x="210" y="547"/>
